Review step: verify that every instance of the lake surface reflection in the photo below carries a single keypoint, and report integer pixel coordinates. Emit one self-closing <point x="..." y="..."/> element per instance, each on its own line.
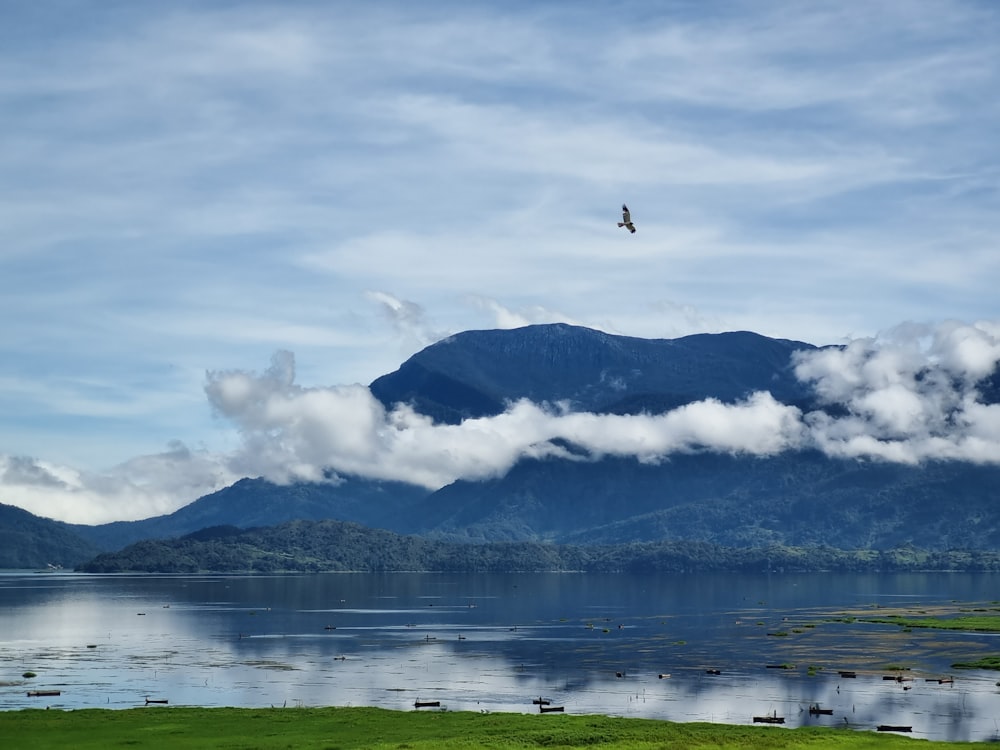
<point x="591" y="643"/>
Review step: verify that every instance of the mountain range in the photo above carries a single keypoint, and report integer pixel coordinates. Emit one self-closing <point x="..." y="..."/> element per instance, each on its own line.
<point x="796" y="497"/>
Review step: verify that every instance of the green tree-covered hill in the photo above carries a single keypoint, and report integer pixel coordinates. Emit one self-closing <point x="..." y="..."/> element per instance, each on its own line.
<point x="314" y="546"/>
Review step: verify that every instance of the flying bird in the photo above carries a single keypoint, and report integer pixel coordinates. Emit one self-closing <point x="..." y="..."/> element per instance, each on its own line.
<point x="626" y="219"/>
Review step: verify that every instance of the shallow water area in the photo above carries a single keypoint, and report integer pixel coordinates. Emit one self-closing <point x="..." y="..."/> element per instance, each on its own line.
<point x="684" y="647"/>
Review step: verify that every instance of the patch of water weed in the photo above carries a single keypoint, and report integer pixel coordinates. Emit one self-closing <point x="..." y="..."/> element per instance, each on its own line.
<point x="970" y="623"/>
<point x="985" y="662"/>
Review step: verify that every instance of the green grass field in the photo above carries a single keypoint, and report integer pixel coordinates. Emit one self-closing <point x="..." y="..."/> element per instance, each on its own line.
<point x="333" y="728"/>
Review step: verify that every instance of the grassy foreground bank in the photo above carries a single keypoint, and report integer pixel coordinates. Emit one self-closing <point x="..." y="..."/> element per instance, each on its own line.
<point x="333" y="728"/>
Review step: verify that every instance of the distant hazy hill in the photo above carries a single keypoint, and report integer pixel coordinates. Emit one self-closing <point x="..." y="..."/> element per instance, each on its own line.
<point x="255" y="502"/>
<point x="795" y="498"/>
<point x="27" y="541"/>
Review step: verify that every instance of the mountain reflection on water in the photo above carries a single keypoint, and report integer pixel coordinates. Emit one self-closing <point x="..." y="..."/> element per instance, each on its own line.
<point x="624" y="645"/>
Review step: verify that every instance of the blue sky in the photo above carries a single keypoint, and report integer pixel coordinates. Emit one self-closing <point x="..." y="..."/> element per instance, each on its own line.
<point x="188" y="188"/>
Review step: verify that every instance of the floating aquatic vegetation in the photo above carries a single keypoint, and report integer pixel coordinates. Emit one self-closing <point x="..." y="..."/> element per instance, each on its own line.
<point x="985" y="662"/>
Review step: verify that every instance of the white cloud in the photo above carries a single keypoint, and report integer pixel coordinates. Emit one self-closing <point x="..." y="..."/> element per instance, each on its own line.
<point x="505" y="318"/>
<point x="299" y="434"/>
<point x="408" y="319"/>
<point x="910" y="396"/>
<point x="759" y="426"/>
<point x="141" y="487"/>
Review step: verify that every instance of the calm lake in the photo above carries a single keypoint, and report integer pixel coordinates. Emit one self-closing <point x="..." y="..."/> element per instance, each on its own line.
<point x="489" y="642"/>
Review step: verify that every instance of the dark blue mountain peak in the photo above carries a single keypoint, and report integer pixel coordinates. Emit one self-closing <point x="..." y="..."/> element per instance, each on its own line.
<point x="476" y="373"/>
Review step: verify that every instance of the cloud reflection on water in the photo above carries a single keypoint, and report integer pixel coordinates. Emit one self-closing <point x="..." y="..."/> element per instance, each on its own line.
<point x="268" y="645"/>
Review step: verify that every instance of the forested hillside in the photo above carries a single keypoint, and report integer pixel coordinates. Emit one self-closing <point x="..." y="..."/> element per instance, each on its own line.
<point x="314" y="546"/>
<point x="27" y="541"/>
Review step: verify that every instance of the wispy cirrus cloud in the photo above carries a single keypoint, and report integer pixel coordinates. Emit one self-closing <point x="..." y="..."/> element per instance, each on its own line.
<point x="188" y="187"/>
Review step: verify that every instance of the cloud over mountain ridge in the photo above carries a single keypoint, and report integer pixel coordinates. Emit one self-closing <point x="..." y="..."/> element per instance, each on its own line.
<point x="912" y="395"/>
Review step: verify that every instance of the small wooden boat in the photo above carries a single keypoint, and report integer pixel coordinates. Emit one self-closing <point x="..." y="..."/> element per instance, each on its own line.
<point x="771" y="719"/>
<point x="43" y="693"/>
<point x="893" y="728"/>
<point x="163" y="701"/>
<point x="426" y="704"/>
<point x="848" y="674"/>
<point x="551" y="709"/>
<point x="815" y="710"/>
<point x="713" y="671"/>
<point x="899" y="676"/>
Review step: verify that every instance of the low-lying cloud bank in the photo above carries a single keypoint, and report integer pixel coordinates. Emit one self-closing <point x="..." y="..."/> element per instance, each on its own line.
<point x="139" y="488"/>
<point x="907" y="396"/>
<point x="293" y="433"/>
